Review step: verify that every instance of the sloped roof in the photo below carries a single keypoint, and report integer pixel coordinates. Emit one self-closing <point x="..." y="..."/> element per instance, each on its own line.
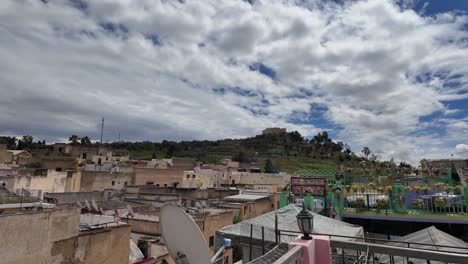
<point x="246" y="197"/>
<point x="287" y="221"/>
<point x="434" y="239"/>
<point x="17" y="152"/>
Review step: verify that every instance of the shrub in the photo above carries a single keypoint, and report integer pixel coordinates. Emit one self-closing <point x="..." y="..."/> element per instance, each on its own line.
<point x="408" y="188"/>
<point x="439" y="185"/>
<point x="382" y="203"/>
<point x="425" y="189"/>
<point x="380" y="189"/>
<point x="457" y="189"/>
<point x="417" y="189"/>
<point x="348" y="188"/>
<point x="418" y="203"/>
<point x="388" y="189"/>
<point x="439" y="202"/>
<point x="362" y="188"/>
<point x="360" y="204"/>
<point x="355" y="188"/>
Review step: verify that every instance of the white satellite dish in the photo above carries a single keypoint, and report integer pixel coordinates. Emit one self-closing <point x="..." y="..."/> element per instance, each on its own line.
<point x="87" y="204"/>
<point x="130" y="210"/>
<point x="183" y="237"/>
<point x="95" y="207"/>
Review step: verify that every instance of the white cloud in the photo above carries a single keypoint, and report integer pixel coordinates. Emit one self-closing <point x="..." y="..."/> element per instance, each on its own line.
<point x="377" y="69"/>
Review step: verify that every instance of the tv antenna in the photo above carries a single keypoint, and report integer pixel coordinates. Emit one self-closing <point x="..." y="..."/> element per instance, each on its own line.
<point x="183" y="238"/>
<point x="102" y="129"/>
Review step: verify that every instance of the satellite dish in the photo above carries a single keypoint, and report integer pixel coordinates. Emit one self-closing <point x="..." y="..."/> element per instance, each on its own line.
<point x="130" y="210"/>
<point x="95" y="207"/>
<point x="183" y="237"/>
<point x="87" y="204"/>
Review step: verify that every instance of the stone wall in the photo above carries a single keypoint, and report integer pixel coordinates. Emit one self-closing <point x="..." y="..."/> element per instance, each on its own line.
<point x="159" y="177"/>
<point x="101" y="180"/>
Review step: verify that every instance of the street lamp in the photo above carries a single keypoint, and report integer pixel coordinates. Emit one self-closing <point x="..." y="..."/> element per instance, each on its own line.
<point x="305" y="221"/>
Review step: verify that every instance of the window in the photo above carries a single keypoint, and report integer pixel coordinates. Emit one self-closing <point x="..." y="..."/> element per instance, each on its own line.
<point x="188" y="176"/>
<point x="211" y="241"/>
<point x="99" y="161"/>
<point x="58" y="169"/>
<point x="113" y="183"/>
<point x="157" y="185"/>
<point x="149" y="182"/>
<point x="193" y="176"/>
<point x="125" y="183"/>
<point x="165" y="185"/>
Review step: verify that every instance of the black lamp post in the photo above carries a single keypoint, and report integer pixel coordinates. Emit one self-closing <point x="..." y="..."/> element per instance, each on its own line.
<point x="305" y="221"/>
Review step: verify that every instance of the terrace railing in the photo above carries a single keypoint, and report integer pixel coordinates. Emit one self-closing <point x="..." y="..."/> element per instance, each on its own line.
<point x="428" y="202"/>
<point x="365" y="250"/>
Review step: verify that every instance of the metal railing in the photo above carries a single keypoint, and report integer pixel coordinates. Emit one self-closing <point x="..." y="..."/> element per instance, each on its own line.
<point x="376" y="251"/>
<point x="421" y="202"/>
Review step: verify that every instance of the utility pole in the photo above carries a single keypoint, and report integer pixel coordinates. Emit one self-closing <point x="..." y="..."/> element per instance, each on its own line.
<point x="102" y="129"/>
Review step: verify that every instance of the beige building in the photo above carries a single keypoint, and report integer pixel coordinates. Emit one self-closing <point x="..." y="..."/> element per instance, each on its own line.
<point x="246" y="205"/>
<point x="103" y="180"/>
<point x="273" y="130"/>
<point x="79" y="151"/>
<point x="15" y="157"/>
<point x="40" y="181"/>
<point x="53" y="236"/>
<point x="170" y="177"/>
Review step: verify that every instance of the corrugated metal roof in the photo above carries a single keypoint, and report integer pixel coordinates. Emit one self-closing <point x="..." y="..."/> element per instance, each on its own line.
<point x="246" y="197"/>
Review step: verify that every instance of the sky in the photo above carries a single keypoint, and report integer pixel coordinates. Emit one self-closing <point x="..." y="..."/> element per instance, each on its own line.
<point x="388" y="74"/>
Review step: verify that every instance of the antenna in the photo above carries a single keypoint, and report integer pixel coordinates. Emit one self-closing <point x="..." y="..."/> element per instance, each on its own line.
<point x="102" y="129"/>
<point x="183" y="237"/>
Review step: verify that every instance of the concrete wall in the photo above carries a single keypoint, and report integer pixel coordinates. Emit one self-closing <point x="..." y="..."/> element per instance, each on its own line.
<point x="5" y="156"/>
<point x="213" y="222"/>
<point x="101" y="180"/>
<point x="28" y="237"/>
<point x="110" y="246"/>
<point x="73" y="197"/>
<point x="143" y="226"/>
<point x="53" y="237"/>
<point x="52" y="181"/>
<point x="62" y="164"/>
<point x="160" y="177"/>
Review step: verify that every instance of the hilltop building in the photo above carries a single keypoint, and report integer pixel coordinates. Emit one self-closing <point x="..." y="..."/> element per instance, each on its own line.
<point x="273" y="131"/>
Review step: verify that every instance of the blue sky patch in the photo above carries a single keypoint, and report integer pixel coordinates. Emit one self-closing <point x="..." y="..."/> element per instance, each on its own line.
<point x="263" y="69"/>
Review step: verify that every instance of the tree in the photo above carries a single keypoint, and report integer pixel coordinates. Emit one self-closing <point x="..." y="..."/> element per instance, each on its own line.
<point x="74" y="139"/>
<point x="26" y="142"/>
<point x="366" y="151"/>
<point x="10" y="142"/>
<point x="85" y="141"/>
<point x="269" y="166"/>
<point x="153" y="156"/>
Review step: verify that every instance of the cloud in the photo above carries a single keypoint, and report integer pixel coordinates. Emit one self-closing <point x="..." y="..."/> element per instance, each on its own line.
<point x="375" y="73"/>
<point x="461" y="149"/>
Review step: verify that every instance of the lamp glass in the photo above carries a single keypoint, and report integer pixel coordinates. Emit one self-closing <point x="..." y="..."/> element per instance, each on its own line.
<point x="305" y="223"/>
